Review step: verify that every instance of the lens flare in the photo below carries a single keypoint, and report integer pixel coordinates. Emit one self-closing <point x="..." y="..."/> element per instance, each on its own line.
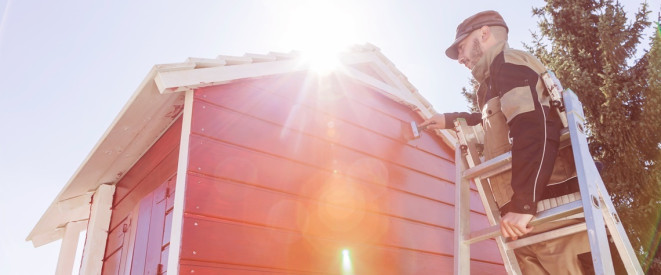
<point x="347" y="267"/>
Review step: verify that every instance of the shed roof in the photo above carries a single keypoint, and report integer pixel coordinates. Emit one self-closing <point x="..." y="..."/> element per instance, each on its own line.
<point x="158" y="102"/>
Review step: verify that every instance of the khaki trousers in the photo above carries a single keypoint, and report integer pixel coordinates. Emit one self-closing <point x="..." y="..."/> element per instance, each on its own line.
<point x="557" y="256"/>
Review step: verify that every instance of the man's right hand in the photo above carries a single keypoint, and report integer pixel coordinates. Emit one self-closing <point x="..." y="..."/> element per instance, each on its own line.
<point x="515" y="225"/>
<point x="437" y="121"/>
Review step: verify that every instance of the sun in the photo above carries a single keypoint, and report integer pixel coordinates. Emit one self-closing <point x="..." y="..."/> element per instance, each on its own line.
<point x="320" y="30"/>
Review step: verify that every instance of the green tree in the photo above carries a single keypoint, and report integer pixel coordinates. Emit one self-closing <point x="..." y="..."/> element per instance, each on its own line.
<point x="592" y="48"/>
<point x="652" y="105"/>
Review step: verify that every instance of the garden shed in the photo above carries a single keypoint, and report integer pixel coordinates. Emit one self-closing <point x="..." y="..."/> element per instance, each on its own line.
<point x="260" y="164"/>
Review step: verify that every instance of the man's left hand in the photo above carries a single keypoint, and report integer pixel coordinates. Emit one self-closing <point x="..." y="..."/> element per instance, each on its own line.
<point x="515" y="225"/>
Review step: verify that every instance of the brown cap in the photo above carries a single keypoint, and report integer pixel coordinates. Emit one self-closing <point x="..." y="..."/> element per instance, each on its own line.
<point x="485" y="18"/>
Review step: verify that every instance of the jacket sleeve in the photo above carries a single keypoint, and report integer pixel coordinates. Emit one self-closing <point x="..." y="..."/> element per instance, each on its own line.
<point x="534" y="134"/>
<point x="471" y="118"/>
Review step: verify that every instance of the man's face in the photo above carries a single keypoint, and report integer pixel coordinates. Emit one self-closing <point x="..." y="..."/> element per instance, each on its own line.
<point x="469" y="50"/>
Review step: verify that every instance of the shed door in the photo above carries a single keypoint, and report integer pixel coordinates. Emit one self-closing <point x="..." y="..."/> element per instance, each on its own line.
<point x="152" y="239"/>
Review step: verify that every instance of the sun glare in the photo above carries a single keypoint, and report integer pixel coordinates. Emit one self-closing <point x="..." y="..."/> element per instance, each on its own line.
<point x="347" y="267"/>
<point x="320" y="30"/>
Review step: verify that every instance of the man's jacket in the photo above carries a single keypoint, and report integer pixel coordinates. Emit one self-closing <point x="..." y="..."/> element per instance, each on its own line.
<point x="515" y="115"/>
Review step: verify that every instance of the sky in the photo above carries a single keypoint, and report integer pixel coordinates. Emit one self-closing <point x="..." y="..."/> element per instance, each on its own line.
<point x="68" y="67"/>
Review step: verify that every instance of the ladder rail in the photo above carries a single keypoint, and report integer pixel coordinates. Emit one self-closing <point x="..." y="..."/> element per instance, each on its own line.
<point x="596" y="226"/>
<point x="466" y="156"/>
<point x="461" y="220"/>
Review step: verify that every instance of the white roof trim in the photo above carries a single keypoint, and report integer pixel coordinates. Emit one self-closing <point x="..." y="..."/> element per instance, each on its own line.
<point x="157" y="103"/>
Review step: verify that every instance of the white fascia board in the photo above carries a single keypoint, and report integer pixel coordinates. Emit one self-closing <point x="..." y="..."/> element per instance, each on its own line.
<point x="403" y="97"/>
<point x="188" y="80"/>
<point x="380" y="67"/>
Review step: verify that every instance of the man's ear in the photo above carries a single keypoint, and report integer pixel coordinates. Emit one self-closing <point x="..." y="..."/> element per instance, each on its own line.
<point x="485" y="32"/>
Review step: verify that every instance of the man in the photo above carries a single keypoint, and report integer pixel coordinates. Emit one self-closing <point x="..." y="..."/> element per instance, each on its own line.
<point x="516" y="116"/>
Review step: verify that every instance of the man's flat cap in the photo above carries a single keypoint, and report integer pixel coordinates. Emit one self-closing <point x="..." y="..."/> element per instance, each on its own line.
<point x="485" y="18"/>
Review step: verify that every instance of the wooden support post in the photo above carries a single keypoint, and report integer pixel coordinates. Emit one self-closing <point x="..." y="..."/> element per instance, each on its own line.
<point x="97" y="230"/>
<point x="180" y="186"/>
<point x="68" y="248"/>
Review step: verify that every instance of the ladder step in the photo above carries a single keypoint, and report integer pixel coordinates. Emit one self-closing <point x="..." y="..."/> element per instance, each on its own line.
<point x="552" y="214"/>
<point x="503" y="162"/>
<point x="548" y="235"/>
<point x="490" y="167"/>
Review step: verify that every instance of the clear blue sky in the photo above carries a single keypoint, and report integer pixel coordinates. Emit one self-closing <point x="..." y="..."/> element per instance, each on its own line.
<point x="68" y="67"/>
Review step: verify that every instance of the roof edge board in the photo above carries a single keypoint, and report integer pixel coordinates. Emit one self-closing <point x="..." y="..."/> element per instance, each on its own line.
<point x="389" y="91"/>
<point x="178" y="81"/>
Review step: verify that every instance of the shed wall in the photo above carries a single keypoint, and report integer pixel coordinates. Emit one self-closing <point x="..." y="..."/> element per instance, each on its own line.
<point x="287" y="172"/>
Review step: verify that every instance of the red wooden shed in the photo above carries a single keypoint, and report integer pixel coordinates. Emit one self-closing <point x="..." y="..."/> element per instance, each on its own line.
<point x="260" y="165"/>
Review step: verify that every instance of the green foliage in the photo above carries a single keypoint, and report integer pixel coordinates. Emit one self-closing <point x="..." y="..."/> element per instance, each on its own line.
<point x="592" y="48"/>
<point x="471" y="95"/>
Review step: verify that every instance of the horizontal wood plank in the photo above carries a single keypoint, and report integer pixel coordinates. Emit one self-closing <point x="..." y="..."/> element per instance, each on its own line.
<point x="303" y="146"/>
<point x="318" y="91"/>
<point x="222" y="160"/>
<point x="410" y="267"/>
<point x="292" y="251"/>
<point x="265" y="104"/>
<point x="116" y="237"/>
<point x="340" y="213"/>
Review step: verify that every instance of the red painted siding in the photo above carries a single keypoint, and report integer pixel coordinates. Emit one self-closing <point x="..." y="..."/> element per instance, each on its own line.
<point x="286" y="172"/>
<point x="139" y="229"/>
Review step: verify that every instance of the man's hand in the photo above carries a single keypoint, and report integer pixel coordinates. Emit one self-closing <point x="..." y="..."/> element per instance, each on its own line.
<point x="515" y="225"/>
<point x="437" y="121"/>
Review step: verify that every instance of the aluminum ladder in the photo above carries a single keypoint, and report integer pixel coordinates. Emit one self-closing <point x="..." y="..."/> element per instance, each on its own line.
<point x="594" y="202"/>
